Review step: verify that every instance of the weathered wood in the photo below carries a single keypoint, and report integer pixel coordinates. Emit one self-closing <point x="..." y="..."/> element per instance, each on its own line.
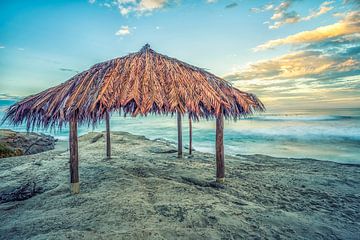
<point x="179" y="135"/>
<point x="220" y="166"/>
<point x="108" y="140"/>
<point x="190" y="136"/>
<point x="74" y="157"/>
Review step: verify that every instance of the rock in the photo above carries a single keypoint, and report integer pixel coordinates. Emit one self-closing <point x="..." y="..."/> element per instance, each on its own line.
<point x="21" y="193"/>
<point x="201" y="183"/>
<point x="7" y="151"/>
<point x="187" y="147"/>
<point x="162" y="150"/>
<point x="167" y="142"/>
<point x="96" y="138"/>
<point x="17" y="143"/>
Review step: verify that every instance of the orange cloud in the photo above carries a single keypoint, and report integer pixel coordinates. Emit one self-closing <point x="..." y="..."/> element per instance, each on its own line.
<point x="348" y="25"/>
<point x="324" y="8"/>
<point x="302" y="64"/>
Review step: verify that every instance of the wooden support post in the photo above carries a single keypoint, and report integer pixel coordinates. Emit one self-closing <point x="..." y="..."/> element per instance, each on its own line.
<point x="74" y="157"/>
<point x="108" y="140"/>
<point x="220" y="166"/>
<point x="179" y="135"/>
<point x="190" y="136"/>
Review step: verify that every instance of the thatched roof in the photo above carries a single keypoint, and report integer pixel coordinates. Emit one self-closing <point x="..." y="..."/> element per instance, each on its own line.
<point x="139" y="83"/>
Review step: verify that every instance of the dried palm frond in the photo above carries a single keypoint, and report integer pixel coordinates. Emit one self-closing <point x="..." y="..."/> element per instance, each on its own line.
<point x="138" y="84"/>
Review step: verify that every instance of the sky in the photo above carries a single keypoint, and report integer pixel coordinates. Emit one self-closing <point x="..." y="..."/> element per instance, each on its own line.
<point x="290" y="53"/>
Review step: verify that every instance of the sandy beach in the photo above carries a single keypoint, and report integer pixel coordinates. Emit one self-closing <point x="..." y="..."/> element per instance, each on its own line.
<point x="101" y="102"/>
<point x="146" y="192"/>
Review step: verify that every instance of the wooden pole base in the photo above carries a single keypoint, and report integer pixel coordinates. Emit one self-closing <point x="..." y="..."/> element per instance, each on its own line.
<point x="75" y="188"/>
<point x="220" y="180"/>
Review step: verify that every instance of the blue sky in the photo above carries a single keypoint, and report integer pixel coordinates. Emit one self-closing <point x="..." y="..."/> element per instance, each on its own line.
<point x="292" y="53"/>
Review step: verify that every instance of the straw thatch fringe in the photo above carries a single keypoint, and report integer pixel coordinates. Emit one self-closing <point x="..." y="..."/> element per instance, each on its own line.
<point x="138" y="84"/>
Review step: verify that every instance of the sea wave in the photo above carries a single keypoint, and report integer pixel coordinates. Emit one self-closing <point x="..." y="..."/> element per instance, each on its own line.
<point x="285" y="117"/>
<point x="301" y="133"/>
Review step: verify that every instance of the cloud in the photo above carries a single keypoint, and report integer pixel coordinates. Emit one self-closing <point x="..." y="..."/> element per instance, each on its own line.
<point x="305" y="78"/>
<point x="348" y="25"/>
<point x="68" y="70"/>
<point x="149" y="5"/>
<point x="346" y="44"/>
<point x="352" y="2"/>
<point x="124" y="11"/>
<point x="231" y="5"/>
<point x="324" y="8"/>
<point x="146" y="7"/>
<point x="304" y="93"/>
<point x="282" y="15"/>
<point x="264" y="8"/>
<point x="322" y="70"/>
<point x="21" y="49"/>
<point x="5" y="96"/>
<point x="2" y="46"/>
<point x="302" y="64"/>
<point x="124" y="30"/>
<point x="326" y="61"/>
<point x="140" y="7"/>
<point x="108" y="5"/>
<point x="284" y="18"/>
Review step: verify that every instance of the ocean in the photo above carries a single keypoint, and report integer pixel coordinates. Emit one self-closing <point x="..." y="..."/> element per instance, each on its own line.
<point x="323" y="134"/>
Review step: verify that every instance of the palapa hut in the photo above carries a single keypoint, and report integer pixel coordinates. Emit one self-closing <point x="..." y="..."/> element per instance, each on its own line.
<point x="138" y="84"/>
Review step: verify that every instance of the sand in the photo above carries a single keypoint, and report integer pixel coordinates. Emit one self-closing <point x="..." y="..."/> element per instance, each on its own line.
<point x="146" y="192"/>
